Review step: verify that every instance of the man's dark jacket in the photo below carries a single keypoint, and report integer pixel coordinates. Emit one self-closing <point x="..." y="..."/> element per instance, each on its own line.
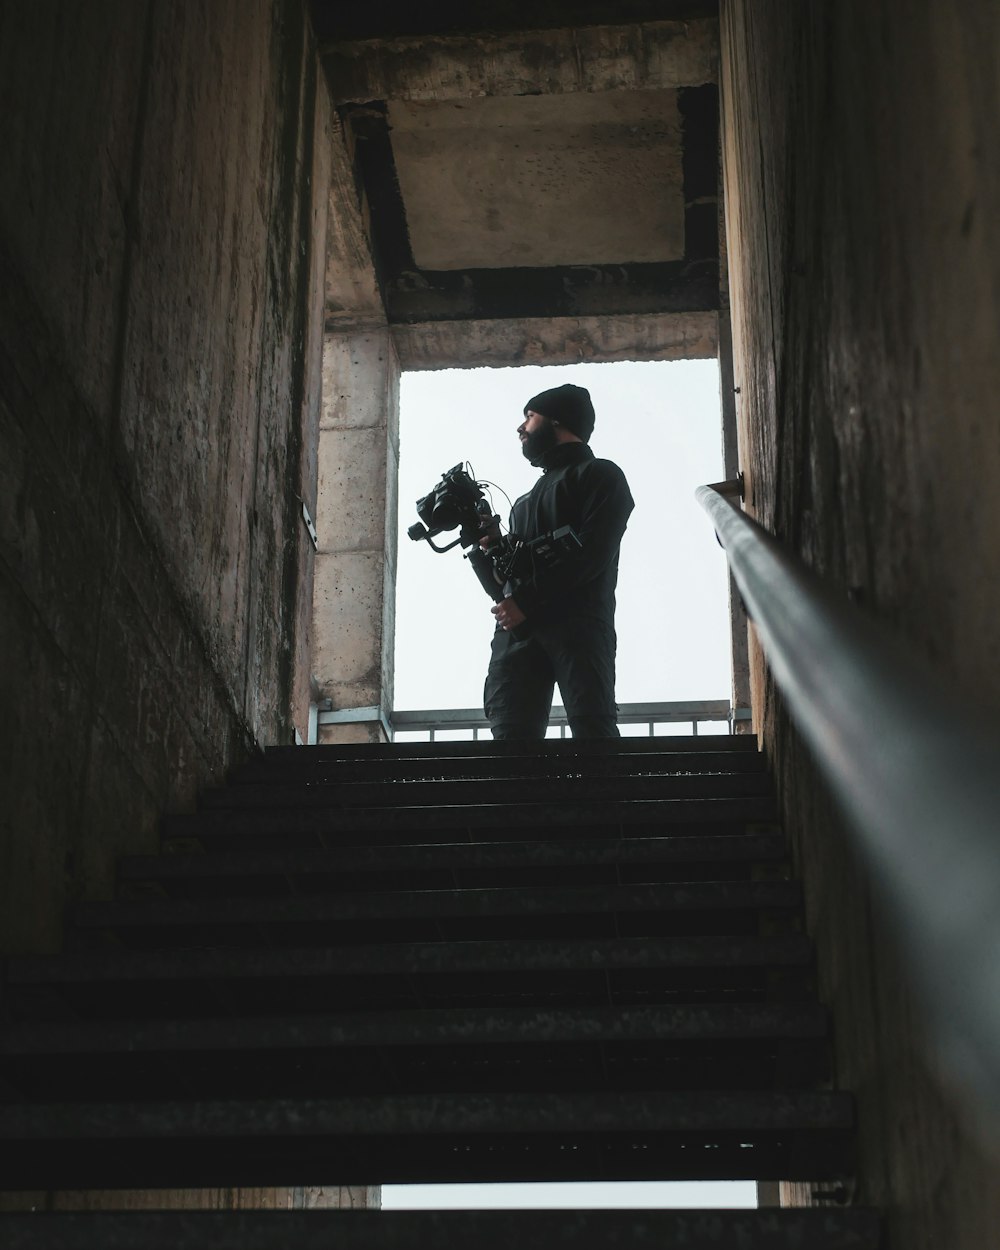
<point x="593" y="497"/>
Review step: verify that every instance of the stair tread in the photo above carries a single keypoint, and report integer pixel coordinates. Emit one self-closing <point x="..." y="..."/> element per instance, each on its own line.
<point x="460" y="791"/>
<point x="467" y="1114"/>
<point x="739" y="848"/>
<point x="853" y="1228"/>
<point x="441" y="1027"/>
<point x="510" y="768"/>
<point x="707" y="1135"/>
<point x="393" y="1053"/>
<point x="436" y="904"/>
<point x="566" y="817"/>
<point x="158" y="984"/>
<point x="87" y="967"/>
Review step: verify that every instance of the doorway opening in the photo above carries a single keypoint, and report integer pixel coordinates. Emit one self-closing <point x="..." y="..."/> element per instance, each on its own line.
<point x="660" y="421"/>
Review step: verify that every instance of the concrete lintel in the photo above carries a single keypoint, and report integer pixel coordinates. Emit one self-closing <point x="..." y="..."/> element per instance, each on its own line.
<point x="556" y="340"/>
<point x="639" y="56"/>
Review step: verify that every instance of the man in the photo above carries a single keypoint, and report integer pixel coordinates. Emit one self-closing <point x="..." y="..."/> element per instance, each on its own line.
<point x="564" y="615"/>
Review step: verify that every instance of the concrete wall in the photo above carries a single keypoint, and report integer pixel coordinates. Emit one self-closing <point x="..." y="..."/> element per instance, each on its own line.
<point x="862" y="196"/>
<point x="159" y="297"/>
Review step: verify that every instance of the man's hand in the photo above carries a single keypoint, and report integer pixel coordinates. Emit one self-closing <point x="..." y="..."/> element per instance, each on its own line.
<point x="508" y="614"/>
<point x="490" y="529"/>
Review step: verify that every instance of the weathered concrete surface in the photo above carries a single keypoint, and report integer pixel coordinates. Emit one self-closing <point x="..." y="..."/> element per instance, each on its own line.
<point x="353" y="300"/>
<point x="643" y="56"/>
<point x="154" y="281"/>
<point x="578" y="179"/>
<point x="354" y="597"/>
<point x="530" y="181"/>
<point x="555" y="341"/>
<point x="325" y="126"/>
<point x="862" y="194"/>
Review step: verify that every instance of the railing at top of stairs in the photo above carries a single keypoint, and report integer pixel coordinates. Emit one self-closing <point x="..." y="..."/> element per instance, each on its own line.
<point x="645" y="719"/>
<point x="915" y="771"/>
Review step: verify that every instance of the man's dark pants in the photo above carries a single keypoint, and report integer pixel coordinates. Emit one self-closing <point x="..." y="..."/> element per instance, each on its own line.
<point x="578" y="656"/>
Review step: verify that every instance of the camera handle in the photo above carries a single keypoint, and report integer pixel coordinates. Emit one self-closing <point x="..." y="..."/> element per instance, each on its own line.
<point x="418" y="532"/>
<point x="441" y="550"/>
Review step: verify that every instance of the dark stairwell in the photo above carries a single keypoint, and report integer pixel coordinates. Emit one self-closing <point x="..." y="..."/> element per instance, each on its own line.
<point x="438" y="963"/>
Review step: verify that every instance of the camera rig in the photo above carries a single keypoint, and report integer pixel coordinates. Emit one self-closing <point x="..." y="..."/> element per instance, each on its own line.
<point x="458" y="502"/>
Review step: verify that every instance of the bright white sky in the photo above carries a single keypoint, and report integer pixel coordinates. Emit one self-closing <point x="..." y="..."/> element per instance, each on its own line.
<point x="660" y="422"/>
<point x="574" y="1195"/>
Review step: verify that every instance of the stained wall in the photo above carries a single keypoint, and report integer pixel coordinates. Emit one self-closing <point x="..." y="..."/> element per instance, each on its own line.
<point x="862" y="195"/>
<point x="160" y="340"/>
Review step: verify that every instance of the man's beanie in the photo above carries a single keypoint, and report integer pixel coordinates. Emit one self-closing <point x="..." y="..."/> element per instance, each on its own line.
<point x="569" y="405"/>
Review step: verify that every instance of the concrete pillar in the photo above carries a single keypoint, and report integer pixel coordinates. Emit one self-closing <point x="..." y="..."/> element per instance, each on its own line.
<point x="354" y="597"/>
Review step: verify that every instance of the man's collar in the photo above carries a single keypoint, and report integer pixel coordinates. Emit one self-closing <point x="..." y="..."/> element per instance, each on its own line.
<point x="565" y="453"/>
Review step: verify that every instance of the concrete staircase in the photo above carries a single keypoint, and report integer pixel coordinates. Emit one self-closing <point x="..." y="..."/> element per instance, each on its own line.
<point x="447" y="962"/>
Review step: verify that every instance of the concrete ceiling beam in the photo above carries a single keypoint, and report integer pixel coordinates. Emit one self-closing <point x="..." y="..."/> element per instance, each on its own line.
<point x="638" y="57"/>
<point x="556" y="340"/>
<point x="335" y="20"/>
<point x="353" y="299"/>
<point x="561" y="291"/>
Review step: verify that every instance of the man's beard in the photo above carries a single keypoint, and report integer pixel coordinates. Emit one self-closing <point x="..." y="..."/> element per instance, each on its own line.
<point x="539" y="442"/>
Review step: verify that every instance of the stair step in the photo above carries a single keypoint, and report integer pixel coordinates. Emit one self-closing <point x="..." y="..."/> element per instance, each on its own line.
<point x="402" y="915"/>
<point x="758" y="1046"/>
<point x="96" y="984"/>
<point x="551" y="748"/>
<point x="309" y="763"/>
<point x="428" y="1138"/>
<point x="500" y="901"/>
<point x="856" y="1228"/>
<point x="421" y="1028"/>
<point x="306" y="870"/>
<point x="521" y="822"/>
<point x="463" y="792"/>
<point x="439" y="965"/>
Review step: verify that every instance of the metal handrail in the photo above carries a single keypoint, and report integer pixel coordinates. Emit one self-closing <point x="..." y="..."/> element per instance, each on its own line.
<point x="915" y="771"/>
<point x="649" y="714"/>
<point x="437" y="720"/>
